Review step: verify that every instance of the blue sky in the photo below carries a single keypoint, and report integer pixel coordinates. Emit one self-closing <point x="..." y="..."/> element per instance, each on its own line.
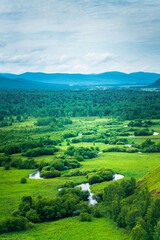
<point x="80" y="36"/>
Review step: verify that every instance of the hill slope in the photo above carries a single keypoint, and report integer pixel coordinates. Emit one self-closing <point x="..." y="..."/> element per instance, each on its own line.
<point x="152" y="181"/>
<point x="7" y="83"/>
<point x="155" y="84"/>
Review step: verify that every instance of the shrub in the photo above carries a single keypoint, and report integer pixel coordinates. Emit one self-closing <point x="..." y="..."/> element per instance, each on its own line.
<point x="69" y="184"/>
<point x="85" y="217"/>
<point x="33" y="216"/>
<point x="12" y="224"/>
<point x="50" y="174"/>
<point x="101" y="175"/>
<point x="23" y="180"/>
<point x="7" y="166"/>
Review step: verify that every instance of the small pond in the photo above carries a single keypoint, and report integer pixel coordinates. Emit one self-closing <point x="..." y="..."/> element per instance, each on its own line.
<point x="35" y="175"/>
<point x="155" y="133"/>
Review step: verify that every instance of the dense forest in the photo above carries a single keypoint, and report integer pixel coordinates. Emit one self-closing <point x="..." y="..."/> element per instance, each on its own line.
<point x="122" y="104"/>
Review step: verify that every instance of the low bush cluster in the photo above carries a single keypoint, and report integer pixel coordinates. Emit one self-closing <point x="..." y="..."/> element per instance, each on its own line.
<point x="40" y="151"/>
<point x="101" y="175"/>
<point x="84" y="153"/>
<point x="143" y="132"/>
<point x="53" y="170"/>
<point x="11" y="224"/>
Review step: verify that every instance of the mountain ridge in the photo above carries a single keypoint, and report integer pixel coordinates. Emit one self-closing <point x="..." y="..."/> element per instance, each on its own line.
<point x="40" y="80"/>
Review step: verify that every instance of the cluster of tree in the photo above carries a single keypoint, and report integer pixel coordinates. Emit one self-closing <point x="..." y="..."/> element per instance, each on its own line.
<point x="121" y="149"/>
<point x="140" y="123"/>
<point x="19" y="147"/>
<point x="125" y="104"/>
<point x="41" y="209"/>
<point x="93" y="176"/>
<point x="5" y="123"/>
<point x="117" y="132"/>
<point x="149" y="146"/>
<point x="143" y="132"/>
<point x="133" y="208"/>
<point x="53" y="122"/>
<point x="51" y="173"/>
<point x="69" y="134"/>
<point x="8" y="121"/>
<point x="26" y="164"/>
<point x="101" y="175"/>
<point x="114" y="140"/>
<point x="7" y="162"/>
<point x="55" y="168"/>
<point x="82" y="153"/>
<point x="35" y="152"/>
<point x="4" y="160"/>
<point x="77" y="172"/>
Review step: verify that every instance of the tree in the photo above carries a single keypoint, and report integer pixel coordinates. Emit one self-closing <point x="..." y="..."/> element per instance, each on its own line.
<point x="138" y="233"/>
<point x="156" y="235"/>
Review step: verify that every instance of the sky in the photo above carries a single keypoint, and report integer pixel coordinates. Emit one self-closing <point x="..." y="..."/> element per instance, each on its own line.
<point x="79" y="36"/>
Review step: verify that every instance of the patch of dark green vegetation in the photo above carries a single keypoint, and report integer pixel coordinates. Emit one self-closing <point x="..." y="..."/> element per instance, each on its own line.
<point x="68" y="202"/>
<point x="125" y="104"/>
<point x="82" y="153"/>
<point x="132" y="208"/>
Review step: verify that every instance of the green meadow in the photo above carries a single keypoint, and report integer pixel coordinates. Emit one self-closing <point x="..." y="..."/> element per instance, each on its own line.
<point x="136" y="164"/>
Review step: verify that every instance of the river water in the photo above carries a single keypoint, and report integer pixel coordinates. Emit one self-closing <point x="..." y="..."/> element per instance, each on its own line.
<point x="86" y="186"/>
<point x="35" y="175"/>
<point x="83" y="186"/>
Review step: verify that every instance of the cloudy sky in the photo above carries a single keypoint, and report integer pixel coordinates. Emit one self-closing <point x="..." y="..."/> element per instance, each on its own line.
<point x="82" y="36"/>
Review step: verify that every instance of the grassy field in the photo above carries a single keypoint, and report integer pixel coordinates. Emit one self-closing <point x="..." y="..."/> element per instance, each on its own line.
<point x="72" y="229"/>
<point x="129" y="164"/>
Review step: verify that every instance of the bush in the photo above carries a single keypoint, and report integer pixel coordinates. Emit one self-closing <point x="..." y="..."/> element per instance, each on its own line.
<point x="94" y="178"/>
<point x="33" y="216"/>
<point x="85" y="217"/>
<point x="12" y="224"/>
<point x="50" y="174"/>
<point x="101" y="175"/>
<point x="7" y="166"/>
<point x="23" y="180"/>
<point x="40" y="151"/>
<point x="4" y="160"/>
<point x="69" y="184"/>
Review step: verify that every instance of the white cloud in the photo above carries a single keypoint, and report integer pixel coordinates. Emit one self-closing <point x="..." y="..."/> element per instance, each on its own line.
<point x="98" y="57"/>
<point x="83" y="36"/>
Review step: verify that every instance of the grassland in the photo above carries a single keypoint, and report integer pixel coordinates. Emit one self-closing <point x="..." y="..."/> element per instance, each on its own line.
<point x="71" y="229"/>
<point x="128" y="164"/>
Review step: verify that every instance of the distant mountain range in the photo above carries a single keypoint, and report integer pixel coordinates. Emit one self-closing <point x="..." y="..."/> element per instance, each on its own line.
<point x="38" y="80"/>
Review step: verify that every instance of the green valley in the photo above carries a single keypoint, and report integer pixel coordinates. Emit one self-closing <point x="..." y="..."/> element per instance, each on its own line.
<point x="75" y="137"/>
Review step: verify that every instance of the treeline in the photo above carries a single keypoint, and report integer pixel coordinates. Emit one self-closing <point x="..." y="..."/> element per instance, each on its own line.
<point x="53" y="122"/>
<point x="19" y="147"/>
<point x="125" y="104"/>
<point x="7" y="162"/>
<point x="132" y="208"/>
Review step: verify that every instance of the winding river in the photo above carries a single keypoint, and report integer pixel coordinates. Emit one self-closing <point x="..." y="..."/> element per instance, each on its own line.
<point x="83" y="186"/>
